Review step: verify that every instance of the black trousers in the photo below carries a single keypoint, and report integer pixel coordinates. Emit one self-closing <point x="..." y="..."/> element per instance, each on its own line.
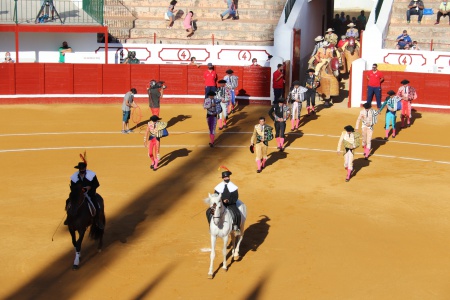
<point x="310" y="97"/>
<point x="280" y="128"/>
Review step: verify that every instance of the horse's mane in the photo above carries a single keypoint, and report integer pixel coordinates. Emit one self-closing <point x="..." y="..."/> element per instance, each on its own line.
<point x="75" y="191"/>
<point x="208" y="199"/>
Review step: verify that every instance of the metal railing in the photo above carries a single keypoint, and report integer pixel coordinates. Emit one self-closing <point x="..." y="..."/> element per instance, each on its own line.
<point x="287" y="9"/>
<point x="51" y="12"/>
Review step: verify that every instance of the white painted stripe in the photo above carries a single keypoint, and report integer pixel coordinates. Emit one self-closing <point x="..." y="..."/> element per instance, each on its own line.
<point x="205" y="132"/>
<point x="207" y="146"/>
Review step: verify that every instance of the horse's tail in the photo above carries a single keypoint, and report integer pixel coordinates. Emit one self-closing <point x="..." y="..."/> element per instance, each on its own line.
<point x="96" y="232"/>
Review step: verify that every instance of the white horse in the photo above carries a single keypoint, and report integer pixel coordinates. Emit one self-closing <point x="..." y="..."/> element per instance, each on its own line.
<point x="222" y="226"/>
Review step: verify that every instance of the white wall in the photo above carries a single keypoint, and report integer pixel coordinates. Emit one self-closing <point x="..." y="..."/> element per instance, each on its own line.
<point x="346" y="5"/>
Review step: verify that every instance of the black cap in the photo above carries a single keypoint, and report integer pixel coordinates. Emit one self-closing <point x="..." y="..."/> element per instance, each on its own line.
<point x="391" y="93"/>
<point x="349" y="128"/>
<point x="296" y="82"/>
<point x="222" y="81"/>
<point x="154" y="118"/>
<point x="229" y="71"/>
<point x="404" y="81"/>
<point x="226" y="174"/>
<point x="81" y="165"/>
<point x="367" y="105"/>
<point x="311" y="70"/>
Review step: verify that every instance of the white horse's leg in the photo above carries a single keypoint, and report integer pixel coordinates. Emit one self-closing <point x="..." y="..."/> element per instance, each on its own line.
<point x="224" y="252"/>
<point x="236" y="250"/>
<point x="213" y="254"/>
<point x="76" y="261"/>
<point x="233" y="243"/>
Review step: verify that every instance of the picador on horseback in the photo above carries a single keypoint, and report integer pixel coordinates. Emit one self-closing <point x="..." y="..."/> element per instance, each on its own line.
<point x="230" y="196"/>
<point x="89" y="182"/>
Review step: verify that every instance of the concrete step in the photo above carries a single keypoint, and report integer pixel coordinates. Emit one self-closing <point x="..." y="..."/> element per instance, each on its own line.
<point x="196" y="41"/>
<point x="210" y="24"/>
<point x="224" y="35"/>
<point x="249" y="14"/>
<point x="195" y="4"/>
<point x="119" y="22"/>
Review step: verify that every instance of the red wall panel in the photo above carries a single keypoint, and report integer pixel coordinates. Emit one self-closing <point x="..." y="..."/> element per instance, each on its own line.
<point x="58" y="79"/>
<point x="30" y="78"/>
<point x="175" y="77"/>
<point x="196" y="83"/>
<point x="116" y="79"/>
<point x="141" y="75"/>
<point x="431" y="88"/>
<point x="7" y="79"/>
<point x="256" y="82"/>
<point x="87" y="79"/>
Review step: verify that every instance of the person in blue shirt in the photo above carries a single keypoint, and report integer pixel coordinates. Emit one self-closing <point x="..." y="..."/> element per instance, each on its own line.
<point x="404" y="41"/>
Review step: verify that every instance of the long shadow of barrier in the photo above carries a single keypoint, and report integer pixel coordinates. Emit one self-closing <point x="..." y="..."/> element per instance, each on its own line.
<point x="236" y="117"/>
<point x="163" y="274"/>
<point x="305" y="119"/>
<point x="57" y="278"/>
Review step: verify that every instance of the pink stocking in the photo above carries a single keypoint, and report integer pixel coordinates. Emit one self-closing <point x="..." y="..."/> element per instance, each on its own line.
<point x="296" y="123"/>
<point x="258" y="164"/>
<point x="220" y="123"/>
<point x="393" y="132"/>
<point x="211" y="138"/>
<point x="349" y="172"/>
<point x="292" y="123"/>
<point x="263" y="162"/>
<point x="387" y="132"/>
<point x="281" y="142"/>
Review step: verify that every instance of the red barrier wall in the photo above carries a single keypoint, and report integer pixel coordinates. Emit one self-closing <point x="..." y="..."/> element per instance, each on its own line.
<point x="431" y="88"/>
<point x="79" y="79"/>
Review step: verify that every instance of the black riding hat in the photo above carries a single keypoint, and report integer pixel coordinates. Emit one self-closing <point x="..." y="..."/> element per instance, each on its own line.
<point x="81" y="165"/>
<point x="226" y="174"/>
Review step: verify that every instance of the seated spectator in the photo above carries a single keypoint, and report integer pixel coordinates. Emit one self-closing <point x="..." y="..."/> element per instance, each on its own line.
<point x="403" y="41"/>
<point x="230" y="11"/>
<point x="187" y="23"/>
<point x="131" y="58"/>
<point x="63" y="50"/>
<point x="443" y="12"/>
<point x="8" y="58"/>
<point x="254" y="63"/>
<point x="415" y="7"/>
<point x="415" y="46"/>
<point x="170" y="13"/>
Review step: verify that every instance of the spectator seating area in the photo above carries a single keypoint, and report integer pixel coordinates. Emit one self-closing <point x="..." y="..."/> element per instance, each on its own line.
<point x="138" y="21"/>
<point x="423" y="33"/>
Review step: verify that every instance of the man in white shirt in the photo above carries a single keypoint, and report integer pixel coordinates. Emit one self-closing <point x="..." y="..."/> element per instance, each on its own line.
<point x="444" y="8"/>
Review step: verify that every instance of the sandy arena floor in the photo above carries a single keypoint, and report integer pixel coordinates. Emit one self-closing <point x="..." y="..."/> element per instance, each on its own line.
<point x="309" y="235"/>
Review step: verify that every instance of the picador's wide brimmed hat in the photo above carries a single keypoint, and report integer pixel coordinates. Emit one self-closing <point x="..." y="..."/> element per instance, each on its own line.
<point x="349" y="128"/>
<point x="391" y="93"/>
<point x="367" y="105"/>
<point x="351" y="25"/>
<point x="319" y="38"/>
<point x="330" y="29"/>
<point x="404" y="81"/>
<point x="81" y="165"/>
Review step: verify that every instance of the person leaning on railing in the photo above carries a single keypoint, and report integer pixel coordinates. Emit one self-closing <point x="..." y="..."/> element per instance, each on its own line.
<point x="8" y="58"/>
<point x="444" y="8"/>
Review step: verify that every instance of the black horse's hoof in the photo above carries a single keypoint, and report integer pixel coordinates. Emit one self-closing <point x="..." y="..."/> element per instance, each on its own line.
<point x="75" y="267"/>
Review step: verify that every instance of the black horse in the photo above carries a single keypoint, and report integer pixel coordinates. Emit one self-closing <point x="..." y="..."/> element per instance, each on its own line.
<point x="79" y="218"/>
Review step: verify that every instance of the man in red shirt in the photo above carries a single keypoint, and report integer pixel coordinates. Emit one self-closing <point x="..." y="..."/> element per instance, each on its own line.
<point x="210" y="77"/>
<point x="375" y="79"/>
<point x="278" y="82"/>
